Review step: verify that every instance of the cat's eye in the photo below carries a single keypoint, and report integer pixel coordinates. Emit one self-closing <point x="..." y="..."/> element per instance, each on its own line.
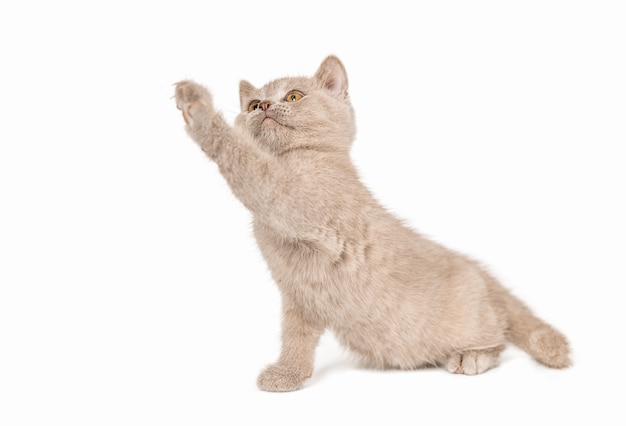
<point x="254" y="105"/>
<point x="293" y="96"/>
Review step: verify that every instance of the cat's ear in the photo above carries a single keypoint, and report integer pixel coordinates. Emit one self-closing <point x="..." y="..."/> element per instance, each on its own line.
<point x="333" y="77"/>
<point x="246" y="91"/>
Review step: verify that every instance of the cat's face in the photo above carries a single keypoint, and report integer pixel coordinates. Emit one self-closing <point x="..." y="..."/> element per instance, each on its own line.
<point x="299" y="112"/>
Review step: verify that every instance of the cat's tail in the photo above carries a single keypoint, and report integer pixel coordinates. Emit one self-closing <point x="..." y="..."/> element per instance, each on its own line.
<point x="537" y="338"/>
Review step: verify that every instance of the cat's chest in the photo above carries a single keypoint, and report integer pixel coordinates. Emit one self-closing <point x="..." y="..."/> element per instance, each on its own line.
<point x="323" y="277"/>
<point x="297" y="262"/>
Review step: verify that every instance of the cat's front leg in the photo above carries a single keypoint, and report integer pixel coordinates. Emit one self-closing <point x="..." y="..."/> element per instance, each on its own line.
<point x="205" y="126"/>
<point x="295" y="365"/>
<point x="194" y="101"/>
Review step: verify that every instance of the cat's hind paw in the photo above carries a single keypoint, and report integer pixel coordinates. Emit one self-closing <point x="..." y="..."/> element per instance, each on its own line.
<point x="193" y="100"/>
<point x="280" y="378"/>
<point x="474" y="361"/>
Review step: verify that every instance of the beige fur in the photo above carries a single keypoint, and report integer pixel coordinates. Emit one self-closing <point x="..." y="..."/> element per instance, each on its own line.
<point x="340" y="260"/>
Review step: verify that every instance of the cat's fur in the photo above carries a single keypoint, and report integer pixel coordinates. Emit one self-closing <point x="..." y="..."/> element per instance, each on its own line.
<point x="340" y="260"/>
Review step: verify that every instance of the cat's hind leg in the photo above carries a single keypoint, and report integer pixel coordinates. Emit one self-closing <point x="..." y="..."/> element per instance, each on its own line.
<point x="473" y="361"/>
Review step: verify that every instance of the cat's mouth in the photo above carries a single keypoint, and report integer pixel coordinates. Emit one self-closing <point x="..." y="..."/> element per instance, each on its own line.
<point x="269" y="121"/>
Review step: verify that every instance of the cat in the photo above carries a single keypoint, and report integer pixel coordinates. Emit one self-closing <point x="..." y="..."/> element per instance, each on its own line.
<point x="341" y="261"/>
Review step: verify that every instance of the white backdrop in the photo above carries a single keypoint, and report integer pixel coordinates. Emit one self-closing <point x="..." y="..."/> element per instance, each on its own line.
<point x="131" y="289"/>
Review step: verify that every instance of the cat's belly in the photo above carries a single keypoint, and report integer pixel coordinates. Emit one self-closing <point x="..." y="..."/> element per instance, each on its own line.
<point x="391" y="341"/>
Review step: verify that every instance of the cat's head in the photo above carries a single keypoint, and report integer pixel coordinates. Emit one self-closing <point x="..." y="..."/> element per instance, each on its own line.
<point x="300" y="112"/>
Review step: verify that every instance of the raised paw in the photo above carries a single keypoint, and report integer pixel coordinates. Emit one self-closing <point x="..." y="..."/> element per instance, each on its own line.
<point x="281" y="378"/>
<point x="475" y="361"/>
<point x="193" y="100"/>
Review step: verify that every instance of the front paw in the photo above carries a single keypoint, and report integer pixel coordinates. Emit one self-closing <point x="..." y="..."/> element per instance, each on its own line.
<point x="193" y="100"/>
<point x="282" y="378"/>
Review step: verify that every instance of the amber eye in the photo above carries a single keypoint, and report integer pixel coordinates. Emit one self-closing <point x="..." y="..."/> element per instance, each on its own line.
<point x="254" y="105"/>
<point x="293" y="96"/>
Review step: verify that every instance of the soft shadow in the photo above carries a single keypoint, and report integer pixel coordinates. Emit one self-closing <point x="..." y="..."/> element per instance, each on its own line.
<point x="332" y="368"/>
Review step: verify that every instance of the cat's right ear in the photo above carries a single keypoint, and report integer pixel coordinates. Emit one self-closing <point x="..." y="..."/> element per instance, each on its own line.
<point x="245" y="94"/>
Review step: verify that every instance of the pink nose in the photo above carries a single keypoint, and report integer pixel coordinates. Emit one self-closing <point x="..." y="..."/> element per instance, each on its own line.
<point x="265" y="105"/>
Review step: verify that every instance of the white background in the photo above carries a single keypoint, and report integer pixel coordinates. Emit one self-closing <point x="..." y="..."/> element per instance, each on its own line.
<point x="131" y="289"/>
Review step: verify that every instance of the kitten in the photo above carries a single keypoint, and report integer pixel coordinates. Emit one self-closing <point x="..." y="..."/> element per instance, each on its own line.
<point x="340" y="260"/>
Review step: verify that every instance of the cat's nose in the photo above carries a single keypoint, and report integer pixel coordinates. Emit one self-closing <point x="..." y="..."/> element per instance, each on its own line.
<point x="265" y="105"/>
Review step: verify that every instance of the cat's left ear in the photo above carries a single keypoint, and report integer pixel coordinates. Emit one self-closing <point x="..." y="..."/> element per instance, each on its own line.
<point x="246" y="91"/>
<point x="333" y="77"/>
